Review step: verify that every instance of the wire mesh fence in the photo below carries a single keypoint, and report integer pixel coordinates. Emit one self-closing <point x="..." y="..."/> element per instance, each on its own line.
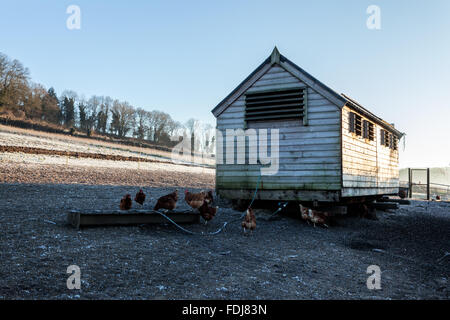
<point x="420" y="183"/>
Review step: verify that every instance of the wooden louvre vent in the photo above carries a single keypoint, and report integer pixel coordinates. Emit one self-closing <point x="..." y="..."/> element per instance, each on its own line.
<point x="355" y="123"/>
<point x="368" y="130"/>
<point x="388" y="140"/>
<point x="276" y="105"/>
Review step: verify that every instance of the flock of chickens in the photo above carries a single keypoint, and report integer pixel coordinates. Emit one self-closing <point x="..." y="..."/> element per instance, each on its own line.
<point x="201" y="201"/>
<point x="198" y="201"/>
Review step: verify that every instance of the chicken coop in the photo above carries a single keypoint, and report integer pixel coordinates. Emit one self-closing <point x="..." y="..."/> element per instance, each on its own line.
<point x="330" y="147"/>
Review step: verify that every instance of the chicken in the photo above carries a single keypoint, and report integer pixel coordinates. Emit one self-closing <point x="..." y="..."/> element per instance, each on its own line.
<point x="314" y="216"/>
<point x="168" y="202"/>
<point x="209" y="197"/>
<point x="402" y="194"/>
<point x="249" y="221"/>
<point x="194" y="200"/>
<point x="207" y="212"/>
<point x="318" y="217"/>
<point x="125" y="202"/>
<point x="304" y="213"/>
<point x="363" y="210"/>
<point x="140" y="197"/>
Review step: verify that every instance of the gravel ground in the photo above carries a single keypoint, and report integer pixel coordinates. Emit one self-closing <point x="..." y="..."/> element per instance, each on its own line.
<point x="283" y="259"/>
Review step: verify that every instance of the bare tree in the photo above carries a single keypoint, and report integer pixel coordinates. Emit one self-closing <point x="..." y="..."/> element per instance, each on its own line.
<point x="141" y="123"/>
<point x="123" y="118"/>
<point x="193" y="131"/>
<point x="93" y="105"/>
<point x="207" y="138"/>
<point x="151" y="123"/>
<point x="23" y="98"/>
<point x="103" y="114"/>
<point x="13" y="83"/>
<point x="33" y="98"/>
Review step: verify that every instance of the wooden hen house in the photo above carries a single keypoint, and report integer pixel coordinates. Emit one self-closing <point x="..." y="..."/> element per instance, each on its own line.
<point x="331" y="148"/>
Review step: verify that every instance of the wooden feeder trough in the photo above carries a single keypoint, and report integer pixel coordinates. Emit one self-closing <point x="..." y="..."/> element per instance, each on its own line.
<point x="131" y="217"/>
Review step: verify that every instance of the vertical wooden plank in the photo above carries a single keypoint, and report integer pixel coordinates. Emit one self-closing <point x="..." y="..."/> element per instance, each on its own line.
<point x="410" y="182"/>
<point x="305" y="107"/>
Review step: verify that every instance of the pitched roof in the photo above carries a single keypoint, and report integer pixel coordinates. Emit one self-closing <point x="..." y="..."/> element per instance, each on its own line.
<point x="276" y="58"/>
<point x="358" y="107"/>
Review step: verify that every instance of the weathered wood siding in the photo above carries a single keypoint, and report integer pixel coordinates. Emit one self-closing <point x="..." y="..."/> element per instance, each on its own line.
<point x="310" y="156"/>
<point x="388" y="171"/>
<point x="368" y="168"/>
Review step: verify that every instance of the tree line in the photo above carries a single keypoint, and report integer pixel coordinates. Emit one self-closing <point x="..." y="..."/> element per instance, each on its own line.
<point x="101" y="114"/>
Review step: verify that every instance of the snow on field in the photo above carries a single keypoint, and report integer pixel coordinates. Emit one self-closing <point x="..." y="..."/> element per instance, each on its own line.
<point x="34" y="168"/>
<point x="32" y="139"/>
<point x="13" y="139"/>
<point x="25" y="158"/>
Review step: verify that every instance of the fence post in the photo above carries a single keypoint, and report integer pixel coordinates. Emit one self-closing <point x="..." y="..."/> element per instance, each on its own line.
<point x="428" y="184"/>
<point x="410" y="182"/>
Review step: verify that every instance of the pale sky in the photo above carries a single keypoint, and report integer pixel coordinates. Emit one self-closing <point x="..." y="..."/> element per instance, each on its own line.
<point x="184" y="57"/>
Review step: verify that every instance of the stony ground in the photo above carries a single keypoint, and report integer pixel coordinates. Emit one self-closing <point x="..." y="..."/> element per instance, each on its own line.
<point x="284" y="259"/>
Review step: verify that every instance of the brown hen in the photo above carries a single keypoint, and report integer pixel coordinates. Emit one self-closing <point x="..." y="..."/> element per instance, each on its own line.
<point x="206" y="212"/>
<point x="209" y="197"/>
<point x="249" y="222"/>
<point x="125" y="202"/>
<point x="194" y="200"/>
<point x="315" y="216"/>
<point x="140" y="197"/>
<point x="168" y="202"/>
